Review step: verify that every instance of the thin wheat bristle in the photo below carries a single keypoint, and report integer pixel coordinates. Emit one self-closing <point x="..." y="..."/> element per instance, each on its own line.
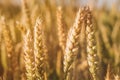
<point x="72" y="42"/>
<point x="39" y="51"/>
<point x="61" y="28"/>
<point x="91" y="46"/>
<point x="29" y="56"/>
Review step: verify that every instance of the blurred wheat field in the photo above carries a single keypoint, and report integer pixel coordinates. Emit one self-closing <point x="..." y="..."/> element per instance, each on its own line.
<point x="59" y="40"/>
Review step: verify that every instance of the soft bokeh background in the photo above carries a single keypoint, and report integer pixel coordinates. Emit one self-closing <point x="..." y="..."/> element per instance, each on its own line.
<point x="98" y="3"/>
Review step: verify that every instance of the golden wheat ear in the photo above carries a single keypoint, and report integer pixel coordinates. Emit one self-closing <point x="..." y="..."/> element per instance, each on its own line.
<point x="61" y="31"/>
<point x="12" y="60"/>
<point x="72" y="42"/>
<point x="29" y="56"/>
<point x="91" y="46"/>
<point x="61" y="28"/>
<point x="39" y="50"/>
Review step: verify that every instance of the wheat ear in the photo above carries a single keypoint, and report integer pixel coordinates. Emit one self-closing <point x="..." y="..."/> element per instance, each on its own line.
<point x="72" y="42"/>
<point x="39" y="51"/>
<point x="29" y="56"/>
<point x="61" y="28"/>
<point x="12" y="59"/>
<point x="91" y="46"/>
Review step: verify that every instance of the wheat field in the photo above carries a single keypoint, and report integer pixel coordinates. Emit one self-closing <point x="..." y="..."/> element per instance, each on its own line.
<point x="59" y="40"/>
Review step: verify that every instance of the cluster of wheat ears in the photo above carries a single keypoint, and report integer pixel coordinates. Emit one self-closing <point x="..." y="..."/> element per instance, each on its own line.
<point x="31" y="52"/>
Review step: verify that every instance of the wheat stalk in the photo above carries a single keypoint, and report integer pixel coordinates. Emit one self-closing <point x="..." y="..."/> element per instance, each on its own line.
<point x="72" y="42"/>
<point x="29" y="56"/>
<point x="1" y="66"/>
<point x="107" y="77"/>
<point x="39" y="51"/>
<point x="91" y="46"/>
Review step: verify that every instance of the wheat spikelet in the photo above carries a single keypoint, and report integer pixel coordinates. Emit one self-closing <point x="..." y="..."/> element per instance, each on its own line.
<point x="72" y="42"/>
<point x="61" y="28"/>
<point x="29" y="56"/>
<point x="26" y="15"/>
<point x="39" y="51"/>
<point x="91" y="46"/>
